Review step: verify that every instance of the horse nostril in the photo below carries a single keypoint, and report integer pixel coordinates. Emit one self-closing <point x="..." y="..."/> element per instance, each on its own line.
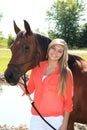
<point x="10" y="75"/>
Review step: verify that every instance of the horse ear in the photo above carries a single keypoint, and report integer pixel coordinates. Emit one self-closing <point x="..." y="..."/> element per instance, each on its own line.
<point x="27" y="28"/>
<point x="16" y="28"/>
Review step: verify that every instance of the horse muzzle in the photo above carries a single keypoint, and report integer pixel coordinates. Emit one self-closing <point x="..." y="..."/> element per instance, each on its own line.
<point x="12" y="76"/>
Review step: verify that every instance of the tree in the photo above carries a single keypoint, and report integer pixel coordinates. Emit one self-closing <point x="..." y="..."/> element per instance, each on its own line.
<point x="1" y="16"/>
<point x="40" y="32"/>
<point x="10" y="40"/>
<point x="83" y="36"/>
<point x="63" y="18"/>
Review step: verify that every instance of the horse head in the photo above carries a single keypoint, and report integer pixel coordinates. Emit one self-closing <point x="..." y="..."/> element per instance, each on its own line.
<point x="26" y="53"/>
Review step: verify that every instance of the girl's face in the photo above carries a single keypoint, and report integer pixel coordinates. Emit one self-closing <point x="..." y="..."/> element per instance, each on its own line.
<point x="55" y="52"/>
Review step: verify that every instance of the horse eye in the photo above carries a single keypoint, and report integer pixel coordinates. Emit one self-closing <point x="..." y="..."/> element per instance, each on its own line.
<point x="26" y="47"/>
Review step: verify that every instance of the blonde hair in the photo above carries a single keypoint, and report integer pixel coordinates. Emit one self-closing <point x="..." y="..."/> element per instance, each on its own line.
<point x="63" y="63"/>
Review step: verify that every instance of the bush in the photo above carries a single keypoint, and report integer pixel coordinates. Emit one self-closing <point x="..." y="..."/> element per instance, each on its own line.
<point x="3" y="43"/>
<point x="10" y="40"/>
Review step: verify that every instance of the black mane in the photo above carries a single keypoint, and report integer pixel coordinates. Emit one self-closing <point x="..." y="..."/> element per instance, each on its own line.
<point x="72" y="61"/>
<point x="43" y="40"/>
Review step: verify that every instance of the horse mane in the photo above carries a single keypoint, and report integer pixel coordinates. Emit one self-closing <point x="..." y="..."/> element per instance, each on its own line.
<point x="21" y="34"/>
<point x="43" y="40"/>
<point x="75" y="60"/>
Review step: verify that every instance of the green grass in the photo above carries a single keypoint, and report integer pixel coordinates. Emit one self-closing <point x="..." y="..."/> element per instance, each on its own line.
<point x="81" y="53"/>
<point x="84" y="56"/>
<point x="5" y="55"/>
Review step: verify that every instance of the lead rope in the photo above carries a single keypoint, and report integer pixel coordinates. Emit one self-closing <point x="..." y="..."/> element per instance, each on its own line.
<point x="32" y="103"/>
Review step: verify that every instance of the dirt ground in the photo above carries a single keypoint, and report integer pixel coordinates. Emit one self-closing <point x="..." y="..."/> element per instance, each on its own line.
<point x="25" y="127"/>
<point x="20" y="127"/>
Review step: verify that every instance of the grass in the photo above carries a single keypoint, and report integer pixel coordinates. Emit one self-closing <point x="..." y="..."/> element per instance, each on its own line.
<point x="84" y="56"/>
<point x="81" y="53"/>
<point x="5" y="55"/>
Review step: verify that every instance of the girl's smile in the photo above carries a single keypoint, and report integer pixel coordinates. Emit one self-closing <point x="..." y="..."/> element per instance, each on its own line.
<point x="55" y="52"/>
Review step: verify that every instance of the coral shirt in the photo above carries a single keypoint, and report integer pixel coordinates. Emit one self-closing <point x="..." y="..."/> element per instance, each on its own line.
<point x="46" y="97"/>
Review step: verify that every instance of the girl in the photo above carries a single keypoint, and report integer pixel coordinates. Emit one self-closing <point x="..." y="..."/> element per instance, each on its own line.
<point x="52" y="85"/>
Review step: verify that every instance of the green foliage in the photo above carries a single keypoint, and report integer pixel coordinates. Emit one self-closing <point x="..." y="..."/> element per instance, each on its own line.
<point x="1" y="15"/>
<point x="3" y="43"/>
<point x="1" y="34"/>
<point x="1" y="89"/>
<point x="40" y="32"/>
<point x="10" y="40"/>
<point x="83" y="36"/>
<point x="63" y="18"/>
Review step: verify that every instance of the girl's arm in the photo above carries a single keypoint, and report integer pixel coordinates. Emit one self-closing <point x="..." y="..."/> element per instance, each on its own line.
<point x="65" y="121"/>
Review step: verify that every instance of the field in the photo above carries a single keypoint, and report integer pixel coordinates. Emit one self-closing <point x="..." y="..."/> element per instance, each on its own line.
<point x="81" y="53"/>
<point x="5" y="55"/>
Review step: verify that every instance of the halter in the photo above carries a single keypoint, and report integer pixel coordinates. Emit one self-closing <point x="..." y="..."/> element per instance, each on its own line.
<point x="36" y="53"/>
<point x="32" y="103"/>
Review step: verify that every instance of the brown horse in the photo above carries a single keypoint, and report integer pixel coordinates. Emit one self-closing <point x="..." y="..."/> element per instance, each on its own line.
<point x="28" y="50"/>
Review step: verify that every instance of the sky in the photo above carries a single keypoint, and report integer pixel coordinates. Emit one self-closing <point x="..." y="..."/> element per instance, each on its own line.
<point x="34" y="11"/>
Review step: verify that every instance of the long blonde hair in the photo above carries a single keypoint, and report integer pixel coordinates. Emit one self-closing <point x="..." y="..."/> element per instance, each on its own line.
<point x="63" y="63"/>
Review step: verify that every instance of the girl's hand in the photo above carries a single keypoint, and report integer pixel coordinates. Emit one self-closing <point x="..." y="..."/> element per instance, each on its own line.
<point x="21" y="81"/>
<point x="21" y="84"/>
<point x="63" y="128"/>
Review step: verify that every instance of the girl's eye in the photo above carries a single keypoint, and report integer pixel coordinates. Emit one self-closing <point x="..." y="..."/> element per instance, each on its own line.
<point x="53" y="48"/>
<point x="60" y="51"/>
<point x="57" y="50"/>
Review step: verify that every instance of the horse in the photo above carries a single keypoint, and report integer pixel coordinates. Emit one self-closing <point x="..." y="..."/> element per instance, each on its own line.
<point x="28" y="49"/>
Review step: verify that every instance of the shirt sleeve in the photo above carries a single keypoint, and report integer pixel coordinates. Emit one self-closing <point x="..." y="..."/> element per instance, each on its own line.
<point x="68" y="102"/>
<point x="30" y="83"/>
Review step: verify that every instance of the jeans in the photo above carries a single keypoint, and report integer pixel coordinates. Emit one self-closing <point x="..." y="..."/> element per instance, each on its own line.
<point x="37" y="123"/>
